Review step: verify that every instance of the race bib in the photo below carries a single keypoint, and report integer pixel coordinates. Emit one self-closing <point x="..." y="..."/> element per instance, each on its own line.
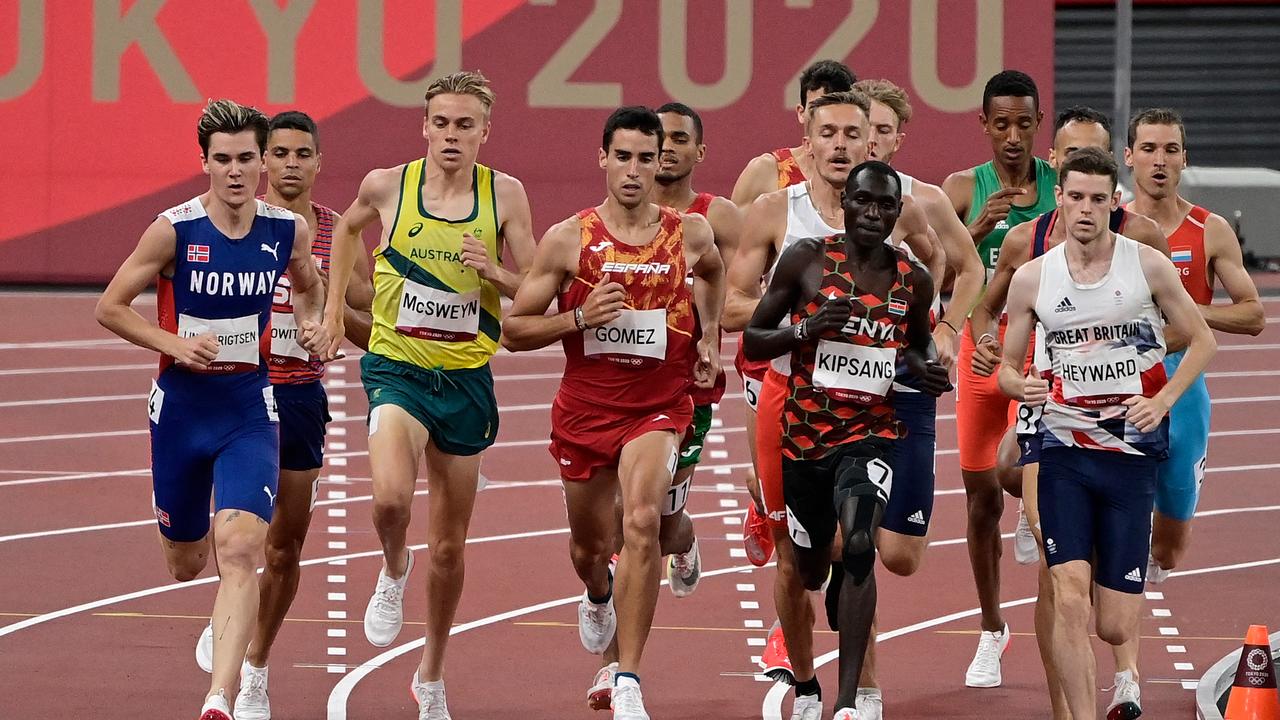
<point x="1027" y="421"/>
<point x="854" y="372"/>
<point x="432" y="314"/>
<point x="635" y="336"/>
<point x="284" y="338"/>
<point x="155" y="402"/>
<point x="1099" y="374"/>
<point x="237" y="340"/>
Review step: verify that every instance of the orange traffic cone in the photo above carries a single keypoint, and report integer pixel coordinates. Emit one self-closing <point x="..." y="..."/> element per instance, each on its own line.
<point x="1253" y="693"/>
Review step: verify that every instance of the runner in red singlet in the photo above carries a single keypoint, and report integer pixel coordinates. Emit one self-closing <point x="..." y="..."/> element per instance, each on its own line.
<point x="627" y="324"/>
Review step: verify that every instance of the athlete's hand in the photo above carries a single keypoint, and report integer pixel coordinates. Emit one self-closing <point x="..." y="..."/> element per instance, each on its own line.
<point x="1035" y="389"/>
<point x="986" y="356"/>
<point x="997" y="208"/>
<point x="707" y="368"/>
<point x="944" y="342"/>
<point x="334" y="331"/>
<point x="604" y="304"/>
<point x="196" y="352"/>
<point x="476" y="257"/>
<point x="314" y="338"/>
<point x="1145" y="413"/>
<point x="831" y="317"/>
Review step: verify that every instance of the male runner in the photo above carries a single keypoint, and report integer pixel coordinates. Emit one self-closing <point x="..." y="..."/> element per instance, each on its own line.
<point x="838" y="422"/>
<point x="1203" y="247"/>
<point x="213" y="416"/>
<point x="837" y="136"/>
<point x="765" y="173"/>
<point x="1076" y="127"/>
<point x="1098" y="298"/>
<point x="627" y="322"/>
<point x="438" y="275"/>
<point x="986" y="197"/>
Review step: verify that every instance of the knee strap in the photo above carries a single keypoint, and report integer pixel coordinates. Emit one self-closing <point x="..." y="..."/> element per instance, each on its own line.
<point x="862" y="491"/>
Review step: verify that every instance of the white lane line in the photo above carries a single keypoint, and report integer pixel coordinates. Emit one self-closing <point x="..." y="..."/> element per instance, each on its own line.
<point x="1169" y="631"/>
<point x="1161" y="612"/>
<point x="728" y="503"/>
<point x="71" y="344"/>
<point x="337" y="597"/>
<point x="73" y="400"/>
<point x="78" y="369"/>
<point x="1184" y="666"/>
<point x="141" y="472"/>
<point x="336" y="633"/>
<point x="1153" y="595"/>
<point x="1176" y="649"/>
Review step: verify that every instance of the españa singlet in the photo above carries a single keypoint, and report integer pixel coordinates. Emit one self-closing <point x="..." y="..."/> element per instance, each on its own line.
<point x="290" y="364"/>
<point x="986" y="182"/>
<point x="643" y="359"/>
<point x="429" y="309"/>
<point x="789" y="172"/>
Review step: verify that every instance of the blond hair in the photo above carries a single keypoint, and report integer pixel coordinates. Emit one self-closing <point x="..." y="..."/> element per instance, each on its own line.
<point x="229" y="116"/>
<point x="888" y="94"/>
<point x="463" y="82"/>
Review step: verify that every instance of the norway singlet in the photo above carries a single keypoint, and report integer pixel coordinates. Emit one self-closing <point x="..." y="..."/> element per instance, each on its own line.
<point x="1105" y="343"/>
<point x="643" y="359"/>
<point x="429" y="309"/>
<point x="703" y="396"/>
<point x="838" y="388"/>
<point x="291" y="364"/>
<point x="986" y="182"/>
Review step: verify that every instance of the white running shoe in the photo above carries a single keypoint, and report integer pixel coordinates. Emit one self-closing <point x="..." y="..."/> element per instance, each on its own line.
<point x="204" y="648"/>
<point x="984" y="671"/>
<point x="684" y="570"/>
<point x="807" y="707"/>
<point x="1126" y="704"/>
<point x="628" y="704"/>
<point x="216" y="707"/>
<point x="1155" y="573"/>
<point x="430" y="699"/>
<point x="846" y="714"/>
<point x="869" y="703"/>
<point x="1025" y="549"/>
<point x="596" y="624"/>
<point x="600" y="695"/>
<point x="384" y="615"/>
<point x="251" y="702"/>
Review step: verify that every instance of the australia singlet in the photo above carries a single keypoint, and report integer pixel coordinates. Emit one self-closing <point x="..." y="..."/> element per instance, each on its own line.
<point x="643" y="359"/>
<point x="1105" y="343"/>
<point x="429" y="309"/>
<point x="986" y="182"/>
<point x="838" y="386"/>
<point x="290" y="363"/>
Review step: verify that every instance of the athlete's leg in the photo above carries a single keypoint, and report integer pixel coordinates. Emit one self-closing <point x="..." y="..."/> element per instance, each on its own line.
<point x="451" y="487"/>
<point x="396" y="443"/>
<point x="238" y="538"/>
<point x="186" y="560"/>
<point x="279" y="582"/>
<point x="1072" y="652"/>
<point x="1044" y="596"/>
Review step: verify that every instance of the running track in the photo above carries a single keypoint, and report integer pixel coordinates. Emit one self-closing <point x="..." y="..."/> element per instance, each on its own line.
<point x="92" y="626"/>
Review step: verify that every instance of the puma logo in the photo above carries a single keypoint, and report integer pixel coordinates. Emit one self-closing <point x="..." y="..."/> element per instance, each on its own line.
<point x="271" y="498"/>
<point x="273" y="249"/>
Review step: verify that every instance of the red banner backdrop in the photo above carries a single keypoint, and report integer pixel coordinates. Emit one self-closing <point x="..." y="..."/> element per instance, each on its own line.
<point x="99" y="98"/>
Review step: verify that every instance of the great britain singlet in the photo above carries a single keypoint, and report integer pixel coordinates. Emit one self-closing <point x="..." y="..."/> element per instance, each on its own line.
<point x="429" y="309"/>
<point x="643" y="359"/>
<point x="986" y="182"/>
<point x="290" y="363"/>
<point x="1105" y="343"/>
<point x="838" y="386"/>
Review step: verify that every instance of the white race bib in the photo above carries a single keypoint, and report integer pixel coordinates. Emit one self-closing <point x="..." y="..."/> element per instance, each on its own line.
<point x="854" y="372"/>
<point x="635" y="334"/>
<point x="1027" y="419"/>
<point x="1099" y="373"/>
<point x="237" y="339"/>
<point x="433" y="314"/>
<point x="284" y="337"/>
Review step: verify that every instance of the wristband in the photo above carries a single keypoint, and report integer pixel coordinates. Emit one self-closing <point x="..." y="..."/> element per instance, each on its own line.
<point x="984" y="337"/>
<point x="948" y="324"/>
<point x="801" y="330"/>
<point x="579" y="319"/>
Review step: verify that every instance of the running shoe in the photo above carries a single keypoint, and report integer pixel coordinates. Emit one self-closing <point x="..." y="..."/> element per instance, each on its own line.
<point x="684" y="570"/>
<point x="846" y="714"/>
<point x="628" y="704"/>
<point x="1155" y="573"/>
<point x="251" y="702"/>
<point x="430" y="699"/>
<point x="757" y="539"/>
<point x="984" y="671"/>
<point x="869" y="703"/>
<point x="1025" y="549"/>
<point x="204" y="649"/>
<point x="216" y="707"/>
<point x="384" y="615"/>
<point x="1126" y="704"/>
<point x="600" y="696"/>
<point x="596" y="624"/>
<point x="775" y="661"/>
<point x="807" y="707"/>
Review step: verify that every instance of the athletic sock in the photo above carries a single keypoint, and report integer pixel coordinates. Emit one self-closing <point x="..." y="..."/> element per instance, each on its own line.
<point x="809" y="687"/>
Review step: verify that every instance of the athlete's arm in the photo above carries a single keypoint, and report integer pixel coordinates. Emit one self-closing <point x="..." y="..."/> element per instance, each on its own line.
<point x="1244" y="316"/>
<point x="517" y="235"/>
<point x="1031" y="389"/>
<point x="962" y="260"/>
<point x="357" y="315"/>
<point x="154" y="254"/>
<point x="527" y="326"/>
<point x="912" y="230"/>
<point x="378" y="187"/>
<point x="1014" y="251"/>
<point x="708" y="295"/>
<point x="958" y="187"/>
<point x="762" y="339"/>
<point x="307" y="292"/>
<point x="1181" y="313"/>
<point x="920" y="355"/>
<point x="765" y="220"/>
<point x="726" y="223"/>
<point x="759" y="177"/>
<point x="1146" y="231"/>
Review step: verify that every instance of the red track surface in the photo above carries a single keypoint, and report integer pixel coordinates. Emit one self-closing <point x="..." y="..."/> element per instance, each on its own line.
<point x="129" y="652"/>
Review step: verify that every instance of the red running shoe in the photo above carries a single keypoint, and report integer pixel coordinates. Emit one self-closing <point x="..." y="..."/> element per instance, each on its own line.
<point x="775" y="661"/>
<point x="756" y="537"/>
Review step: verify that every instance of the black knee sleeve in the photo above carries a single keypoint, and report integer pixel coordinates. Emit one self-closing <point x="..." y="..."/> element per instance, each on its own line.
<point x="862" y="491"/>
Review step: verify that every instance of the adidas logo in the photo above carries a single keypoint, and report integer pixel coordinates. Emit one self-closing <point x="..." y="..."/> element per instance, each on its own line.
<point x="917" y="517"/>
<point x="1065" y="306"/>
<point x="1134" y="575"/>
